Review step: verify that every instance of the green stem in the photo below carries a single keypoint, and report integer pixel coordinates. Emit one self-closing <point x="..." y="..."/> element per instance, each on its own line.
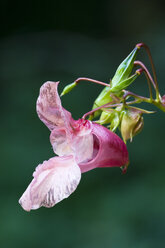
<point x="140" y="99"/>
<point x="158" y="104"/>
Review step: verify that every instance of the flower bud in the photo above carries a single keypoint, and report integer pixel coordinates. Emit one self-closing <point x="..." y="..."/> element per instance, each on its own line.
<point x="68" y="88"/>
<point x="120" y="81"/>
<point x="106" y="97"/>
<point x="125" y="83"/>
<point x="103" y="98"/>
<point x="131" y="124"/>
<point x="123" y="72"/>
<point x="115" y="121"/>
<point x="106" y="117"/>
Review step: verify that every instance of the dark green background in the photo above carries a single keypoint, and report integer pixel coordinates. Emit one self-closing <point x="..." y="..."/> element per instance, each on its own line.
<point x="62" y="40"/>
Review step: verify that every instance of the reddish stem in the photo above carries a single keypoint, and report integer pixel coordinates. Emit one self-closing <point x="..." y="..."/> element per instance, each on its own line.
<point x="91" y="80"/>
<point x="150" y="58"/>
<point x="103" y="106"/>
<point x="139" y="45"/>
<point x="146" y="70"/>
<point x="129" y="93"/>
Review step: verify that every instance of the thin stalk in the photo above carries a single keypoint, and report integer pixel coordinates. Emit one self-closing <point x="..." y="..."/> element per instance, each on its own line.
<point x="149" y="85"/>
<point x="147" y="77"/>
<point x="139" y="98"/>
<point x="100" y="107"/>
<point x="90" y="80"/>
<point x="152" y="66"/>
<point x="137" y="62"/>
<point x="111" y="105"/>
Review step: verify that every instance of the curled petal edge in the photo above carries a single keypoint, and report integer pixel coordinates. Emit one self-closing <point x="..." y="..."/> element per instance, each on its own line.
<point x="49" y="108"/>
<point x="54" y="180"/>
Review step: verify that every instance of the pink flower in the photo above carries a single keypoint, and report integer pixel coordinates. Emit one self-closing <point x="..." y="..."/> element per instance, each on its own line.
<point x="80" y="145"/>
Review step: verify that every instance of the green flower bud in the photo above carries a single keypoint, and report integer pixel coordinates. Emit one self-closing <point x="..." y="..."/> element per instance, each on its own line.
<point x="103" y="98"/>
<point x="120" y="81"/>
<point x="115" y="121"/>
<point x="106" y="97"/>
<point x="106" y="117"/>
<point x="125" y="83"/>
<point x="131" y="123"/>
<point x="68" y="88"/>
<point x="123" y="72"/>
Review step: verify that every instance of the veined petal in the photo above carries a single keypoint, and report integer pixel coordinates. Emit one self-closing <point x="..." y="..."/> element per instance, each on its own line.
<point x="82" y="140"/>
<point x="83" y="146"/>
<point x="109" y="150"/>
<point x="49" y="108"/>
<point x="61" y="142"/>
<point x="68" y="137"/>
<point x="76" y="141"/>
<point x="53" y="181"/>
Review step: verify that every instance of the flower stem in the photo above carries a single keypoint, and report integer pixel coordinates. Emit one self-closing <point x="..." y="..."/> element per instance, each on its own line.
<point x="139" y="98"/>
<point x="137" y="62"/>
<point x="90" y="80"/>
<point x="152" y="66"/>
<point x="146" y="75"/>
<point x="110" y="104"/>
<point x="149" y="85"/>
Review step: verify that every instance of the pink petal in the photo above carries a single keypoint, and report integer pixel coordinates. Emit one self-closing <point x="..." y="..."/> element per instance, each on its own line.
<point x="49" y="107"/>
<point x="61" y="141"/>
<point x="68" y="136"/>
<point x="77" y="140"/>
<point x="109" y="150"/>
<point x="83" y="147"/>
<point x="53" y="181"/>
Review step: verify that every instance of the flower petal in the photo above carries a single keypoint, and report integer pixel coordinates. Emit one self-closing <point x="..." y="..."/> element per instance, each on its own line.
<point x="109" y="150"/>
<point x="83" y="146"/>
<point x="49" y="108"/>
<point x="68" y="137"/>
<point x="76" y="141"/>
<point x="61" y="142"/>
<point x="53" y="181"/>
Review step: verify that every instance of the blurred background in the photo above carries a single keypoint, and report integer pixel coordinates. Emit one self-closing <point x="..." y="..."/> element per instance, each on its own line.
<point x="62" y="40"/>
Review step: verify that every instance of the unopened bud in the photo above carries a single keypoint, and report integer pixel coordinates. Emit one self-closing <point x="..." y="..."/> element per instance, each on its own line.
<point x="125" y="83"/>
<point x="103" y="98"/>
<point x="123" y="72"/>
<point x="68" y="88"/>
<point x="106" y="117"/>
<point x="115" y="121"/>
<point x="131" y="124"/>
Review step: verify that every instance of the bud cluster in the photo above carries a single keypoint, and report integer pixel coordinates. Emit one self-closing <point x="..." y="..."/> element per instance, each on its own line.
<point x="113" y="108"/>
